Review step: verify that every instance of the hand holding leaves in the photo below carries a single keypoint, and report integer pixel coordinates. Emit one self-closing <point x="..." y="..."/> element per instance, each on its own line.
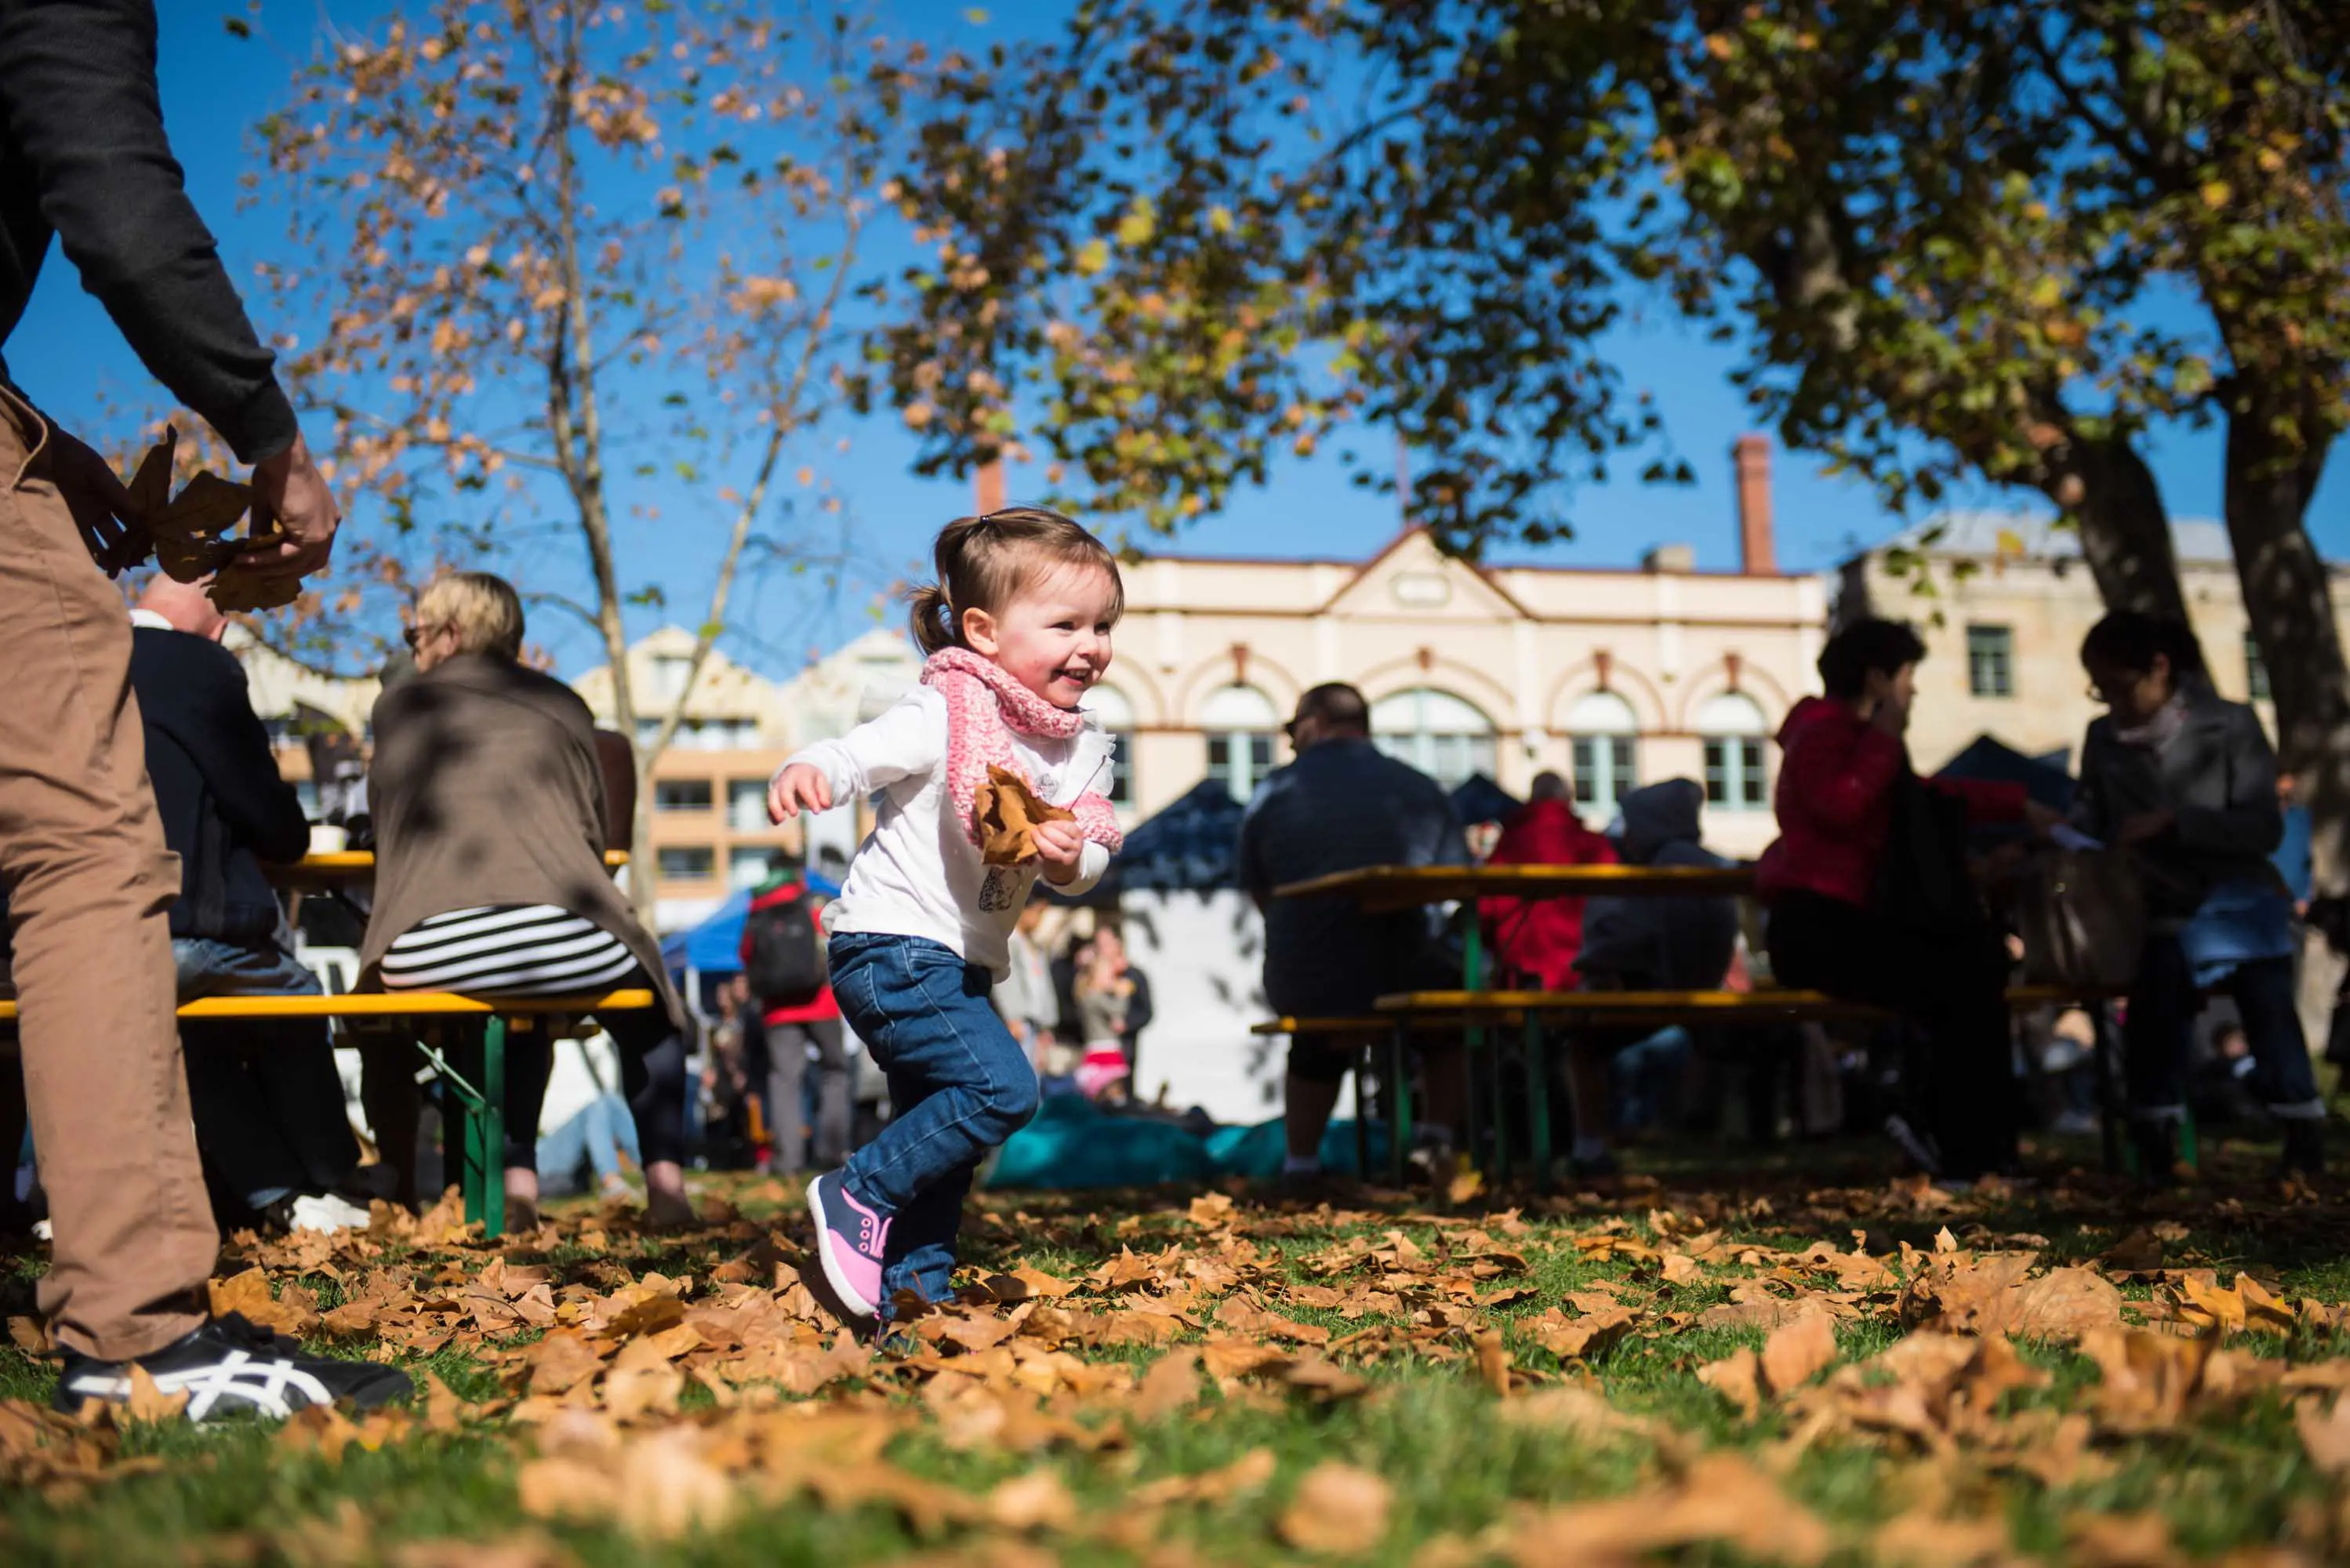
<point x="187" y="532"/>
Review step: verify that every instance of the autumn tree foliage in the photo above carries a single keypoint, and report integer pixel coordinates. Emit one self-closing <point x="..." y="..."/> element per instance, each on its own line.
<point x="1963" y="241"/>
<point x="573" y="272"/>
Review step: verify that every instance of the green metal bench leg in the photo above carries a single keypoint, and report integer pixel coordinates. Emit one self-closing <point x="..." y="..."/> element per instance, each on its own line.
<point x="1399" y="1099"/>
<point x="1480" y="1039"/>
<point x="465" y="1137"/>
<point x="1538" y="1100"/>
<point x="493" y="1121"/>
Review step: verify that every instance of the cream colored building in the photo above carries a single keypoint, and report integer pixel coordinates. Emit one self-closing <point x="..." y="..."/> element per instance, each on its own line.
<point x="709" y="828"/>
<point x="1616" y="678"/>
<point x="2002" y="601"/>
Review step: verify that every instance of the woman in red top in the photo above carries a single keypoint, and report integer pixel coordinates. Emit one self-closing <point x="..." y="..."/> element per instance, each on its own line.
<point x="1843" y="764"/>
<point x="1540" y="938"/>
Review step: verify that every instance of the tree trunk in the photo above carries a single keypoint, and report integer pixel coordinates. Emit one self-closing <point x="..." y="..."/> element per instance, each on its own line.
<point x="2124" y="528"/>
<point x="2290" y="604"/>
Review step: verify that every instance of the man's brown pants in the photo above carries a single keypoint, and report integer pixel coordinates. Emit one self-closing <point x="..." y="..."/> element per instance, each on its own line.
<point x="90" y="887"/>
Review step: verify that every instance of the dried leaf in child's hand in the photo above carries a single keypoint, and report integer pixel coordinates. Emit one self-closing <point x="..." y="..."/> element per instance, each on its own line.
<point x="1008" y="814"/>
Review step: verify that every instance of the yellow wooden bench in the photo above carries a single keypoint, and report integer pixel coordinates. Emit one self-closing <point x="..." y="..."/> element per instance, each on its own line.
<point x="481" y="1112"/>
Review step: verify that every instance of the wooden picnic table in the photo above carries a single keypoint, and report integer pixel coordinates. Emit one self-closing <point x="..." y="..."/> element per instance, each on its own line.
<point x="342" y="867"/>
<point x="1381" y="888"/>
<point x="1388" y="889"/>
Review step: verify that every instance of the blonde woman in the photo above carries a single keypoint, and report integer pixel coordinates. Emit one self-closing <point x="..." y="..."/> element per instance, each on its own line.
<point x="490" y="822"/>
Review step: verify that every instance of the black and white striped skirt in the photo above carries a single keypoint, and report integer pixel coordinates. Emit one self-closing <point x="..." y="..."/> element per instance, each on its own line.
<point x="528" y="949"/>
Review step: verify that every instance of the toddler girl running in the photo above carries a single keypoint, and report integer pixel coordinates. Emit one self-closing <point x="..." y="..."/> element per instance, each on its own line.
<point x="1015" y="630"/>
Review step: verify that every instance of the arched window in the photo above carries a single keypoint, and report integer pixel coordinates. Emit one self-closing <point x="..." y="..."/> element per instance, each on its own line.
<point x="1241" y="722"/>
<point x="1602" y="729"/>
<point x="1115" y="714"/>
<point x="1446" y="737"/>
<point x="1733" y="728"/>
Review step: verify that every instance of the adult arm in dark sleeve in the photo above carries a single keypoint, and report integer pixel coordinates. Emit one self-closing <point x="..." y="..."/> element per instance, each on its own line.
<point x="214" y="723"/>
<point x="1451" y="847"/>
<point x="77" y="83"/>
<point x="1248" y="855"/>
<point x="2090" y="813"/>
<point x="2252" y="822"/>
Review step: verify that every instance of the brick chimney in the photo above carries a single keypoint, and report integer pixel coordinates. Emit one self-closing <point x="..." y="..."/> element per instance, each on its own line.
<point x="1756" y="555"/>
<point x="987" y="487"/>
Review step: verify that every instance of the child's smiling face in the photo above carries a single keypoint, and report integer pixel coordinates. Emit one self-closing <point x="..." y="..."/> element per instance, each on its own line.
<point x="1053" y="636"/>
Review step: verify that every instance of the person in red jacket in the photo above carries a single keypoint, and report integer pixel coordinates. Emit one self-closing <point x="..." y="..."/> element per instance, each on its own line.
<point x="1539" y="939"/>
<point x="1844" y="766"/>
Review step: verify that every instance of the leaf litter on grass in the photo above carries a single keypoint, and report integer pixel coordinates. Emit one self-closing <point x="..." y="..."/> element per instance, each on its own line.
<point x="675" y="1384"/>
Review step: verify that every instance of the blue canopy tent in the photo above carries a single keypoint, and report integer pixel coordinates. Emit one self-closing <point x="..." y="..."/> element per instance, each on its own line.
<point x="2045" y="779"/>
<point x="716" y="946"/>
<point x="1188" y="847"/>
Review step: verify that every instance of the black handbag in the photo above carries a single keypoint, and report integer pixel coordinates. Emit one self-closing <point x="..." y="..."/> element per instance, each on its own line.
<point x="1923" y="884"/>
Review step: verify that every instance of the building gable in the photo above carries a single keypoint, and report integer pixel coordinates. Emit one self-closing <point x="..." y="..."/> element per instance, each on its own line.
<point x="1412" y="580"/>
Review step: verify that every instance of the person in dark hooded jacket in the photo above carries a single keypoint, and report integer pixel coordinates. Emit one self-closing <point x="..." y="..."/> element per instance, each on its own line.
<point x="1646" y="944"/>
<point x="1661" y="944"/>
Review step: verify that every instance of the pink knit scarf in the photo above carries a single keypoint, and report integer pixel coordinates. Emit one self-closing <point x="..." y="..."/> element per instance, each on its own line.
<point x="984" y="705"/>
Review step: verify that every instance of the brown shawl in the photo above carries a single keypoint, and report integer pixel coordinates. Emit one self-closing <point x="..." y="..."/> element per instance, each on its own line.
<point x="487" y="790"/>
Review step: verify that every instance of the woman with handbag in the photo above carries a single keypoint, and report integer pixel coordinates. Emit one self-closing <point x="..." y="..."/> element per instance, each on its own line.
<point x="2186" y="782"/>
<point x="1869" y="898"/>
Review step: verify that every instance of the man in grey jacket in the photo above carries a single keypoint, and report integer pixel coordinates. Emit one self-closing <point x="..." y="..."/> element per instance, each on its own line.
<point x="88" y="880"/>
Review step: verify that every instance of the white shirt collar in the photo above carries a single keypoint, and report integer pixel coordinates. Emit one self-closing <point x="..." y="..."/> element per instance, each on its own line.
<point x="150" y="620"/>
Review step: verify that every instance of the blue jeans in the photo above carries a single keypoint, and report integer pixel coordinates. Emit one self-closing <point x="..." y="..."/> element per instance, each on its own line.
<point x="2157" y="1036"/>
<point x="959" y="1087"/>
<point x="599" y="1134"/>
<point x="266" y="1099"/>
<point x="1647" y="1078"/>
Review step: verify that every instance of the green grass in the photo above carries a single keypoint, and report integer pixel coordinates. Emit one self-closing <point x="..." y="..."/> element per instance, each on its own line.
<point x="1431" y="1429"/>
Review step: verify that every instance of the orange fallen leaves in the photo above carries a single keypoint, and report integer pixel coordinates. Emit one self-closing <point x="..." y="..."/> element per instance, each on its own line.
<point x="2325" y="1433"/>
<point x="1960" y="1292"/>
<point x="2201" y="1303"/>
<point x="1792" y="1356"/>
<point x="1339" y="1511"/>
<point x="1212" y="1308"/>
<point x="1722" y="1499"/>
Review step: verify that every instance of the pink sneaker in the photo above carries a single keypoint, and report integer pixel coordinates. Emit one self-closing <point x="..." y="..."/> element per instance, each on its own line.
<point x="849" y="1241"/>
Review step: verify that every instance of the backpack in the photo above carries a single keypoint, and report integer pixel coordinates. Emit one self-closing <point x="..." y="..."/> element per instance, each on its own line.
<point x="784" y="963"/>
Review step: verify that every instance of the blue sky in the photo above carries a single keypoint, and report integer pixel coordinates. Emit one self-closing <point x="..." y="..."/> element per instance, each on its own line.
<point x="215" y="86"/>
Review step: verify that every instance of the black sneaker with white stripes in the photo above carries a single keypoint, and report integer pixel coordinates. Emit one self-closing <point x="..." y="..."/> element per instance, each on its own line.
<point x="231" y="1366"/>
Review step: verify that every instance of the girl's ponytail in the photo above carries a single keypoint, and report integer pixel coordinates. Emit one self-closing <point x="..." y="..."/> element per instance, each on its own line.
<point x="933" y="619"/>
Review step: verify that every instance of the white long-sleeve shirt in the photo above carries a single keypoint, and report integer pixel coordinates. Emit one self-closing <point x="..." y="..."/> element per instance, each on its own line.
<point x="918" y="873"/>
